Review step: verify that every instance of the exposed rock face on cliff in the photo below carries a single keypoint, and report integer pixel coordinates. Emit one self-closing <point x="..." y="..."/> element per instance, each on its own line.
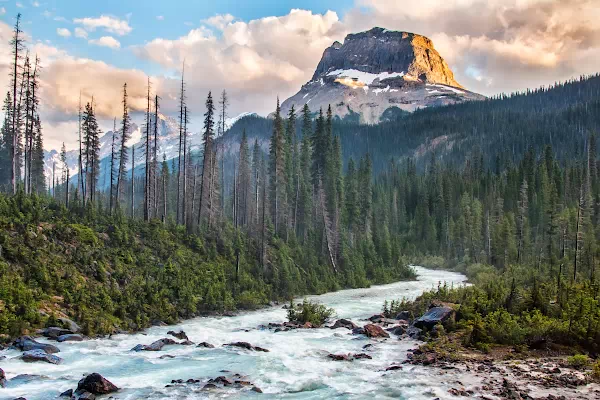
<point x="377" y="71"/>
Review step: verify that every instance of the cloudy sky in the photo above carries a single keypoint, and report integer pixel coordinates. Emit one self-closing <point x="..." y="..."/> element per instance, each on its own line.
<point x="260" y="49"/>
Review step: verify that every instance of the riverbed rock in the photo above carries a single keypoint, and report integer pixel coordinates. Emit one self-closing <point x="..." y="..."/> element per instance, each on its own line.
<point x="398" y="330"/>
<point x="358" y="331"/>
<point x="375" y="331"/>
<point x="54" y="332"/>
<point x="247" y="346"/>
<point x="223" y="380"/>
<point x="414" y="332"/>
<point x="96" y="384"/>
<point x="344" y="323"/>
<point x="27" y="343"/>
<point x="404" y="315"/>
<point x="86" y="396"/>
<point x="73" y="327"/>
<point x="2" y="378"/>
<point x="179" y="335"/>
<point x="67" y="393"/>
<point x="186" y="343"/>
<point x="361" y="356"/>
<point x="434" y="316"/>
<point x="338" y="357"/>
<point x="40" y="355"/>
<point x="75" y="337"/>
<point x="206" y="345"/>
<point x="393" y="368"/>
<point x="376" y="317"/>
<point x="155" y="346"/>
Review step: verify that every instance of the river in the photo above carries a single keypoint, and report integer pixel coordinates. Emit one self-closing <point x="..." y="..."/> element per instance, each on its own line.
<point x="295" y="368"/>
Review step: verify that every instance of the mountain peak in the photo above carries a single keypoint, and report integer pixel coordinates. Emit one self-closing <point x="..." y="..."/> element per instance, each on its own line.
<point x="381" y="50"/>
<point x="376" y="70"/>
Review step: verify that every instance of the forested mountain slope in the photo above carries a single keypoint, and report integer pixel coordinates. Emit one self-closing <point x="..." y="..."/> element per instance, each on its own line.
<point x="497" y="130"/>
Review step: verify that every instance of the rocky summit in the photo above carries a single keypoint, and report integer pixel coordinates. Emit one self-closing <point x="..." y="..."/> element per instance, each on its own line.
<point x="378" y="72"/>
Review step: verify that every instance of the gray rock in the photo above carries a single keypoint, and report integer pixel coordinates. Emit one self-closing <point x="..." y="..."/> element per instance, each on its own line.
<point x="344" y="323"/>
<point x="75" y="337"/>
<point x="40" y="355"/>
<point x="54" y="332"/>
<point x="71" y="324"/>
<point x="414" y="332"/>
<point x="206" y="345"/>
<point x="434" y="316"/>
<point x="86" y="396"/>
<point x="96" y="384"/>
<point x="404" y="315"/>
<point x="179" y="335"/>
<point x="2" y="378"/>
<point x="67" y="393"/>
<point x="26" y="343"/>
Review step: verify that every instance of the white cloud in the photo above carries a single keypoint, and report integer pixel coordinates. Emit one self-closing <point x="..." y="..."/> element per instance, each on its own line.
<point x="255" y="61"/>
<point x="35" y="3"/>
<point x="2" y="10"/>
<point x="160" y="18"/>
<point x="19" y="5"/>
<point x="220" y="21"/>
<point x="108" y="23"/>
<point x="106" y="41"/>
<point x="64" y="32"/>
<point x="81" y="33"/>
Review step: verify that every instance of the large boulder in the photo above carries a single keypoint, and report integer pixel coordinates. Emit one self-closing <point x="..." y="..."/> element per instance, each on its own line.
<point x="75" y="337"/>
<point x="40" y="355"/>
<point x="434" y="316"/>
<point x="96" y="384"/>
<point x="155" y="346"/>
<point x="2" y="378"/>
<point x="179" y="335"/>
<point x="344" y="323"/>
<point x="54" y="332"/>
<point x="27" y="343"/>
<point x="73" y="327"/>
<point x="375" y="331"/>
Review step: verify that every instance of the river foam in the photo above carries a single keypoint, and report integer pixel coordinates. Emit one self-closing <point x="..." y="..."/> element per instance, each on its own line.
<point x="296" y="367"/>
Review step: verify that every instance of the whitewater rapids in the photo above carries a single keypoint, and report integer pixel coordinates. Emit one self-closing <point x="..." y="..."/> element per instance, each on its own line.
<point x="296" y="367"/>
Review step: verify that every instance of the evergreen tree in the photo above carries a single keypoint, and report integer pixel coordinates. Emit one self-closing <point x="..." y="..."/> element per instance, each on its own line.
<point x="125" y="136"/>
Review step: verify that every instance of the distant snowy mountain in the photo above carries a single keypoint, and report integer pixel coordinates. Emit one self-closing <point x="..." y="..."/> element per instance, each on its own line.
<point x="168" y="132"/>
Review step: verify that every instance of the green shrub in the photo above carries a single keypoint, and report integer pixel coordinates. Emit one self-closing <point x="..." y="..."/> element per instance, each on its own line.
<point x="315" y="313"/>
<point x="579" y="361"/>
<point x="596" y="370"/>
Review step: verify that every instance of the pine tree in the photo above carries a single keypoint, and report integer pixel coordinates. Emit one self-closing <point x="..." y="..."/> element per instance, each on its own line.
<point x="181" y="150"/>
<point x="91" y="139"/>
<point x="17" y="44"/>
<point x="207" y="164"/>
<point x="6" y="141"/>
<point x="148" y="155"/>
<point x="38" y="179"/>
<point x="244" y="182"/>
<point x="277" y="177"/>
<point x="112" y="167"/>
<point x="125" y="135"/>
